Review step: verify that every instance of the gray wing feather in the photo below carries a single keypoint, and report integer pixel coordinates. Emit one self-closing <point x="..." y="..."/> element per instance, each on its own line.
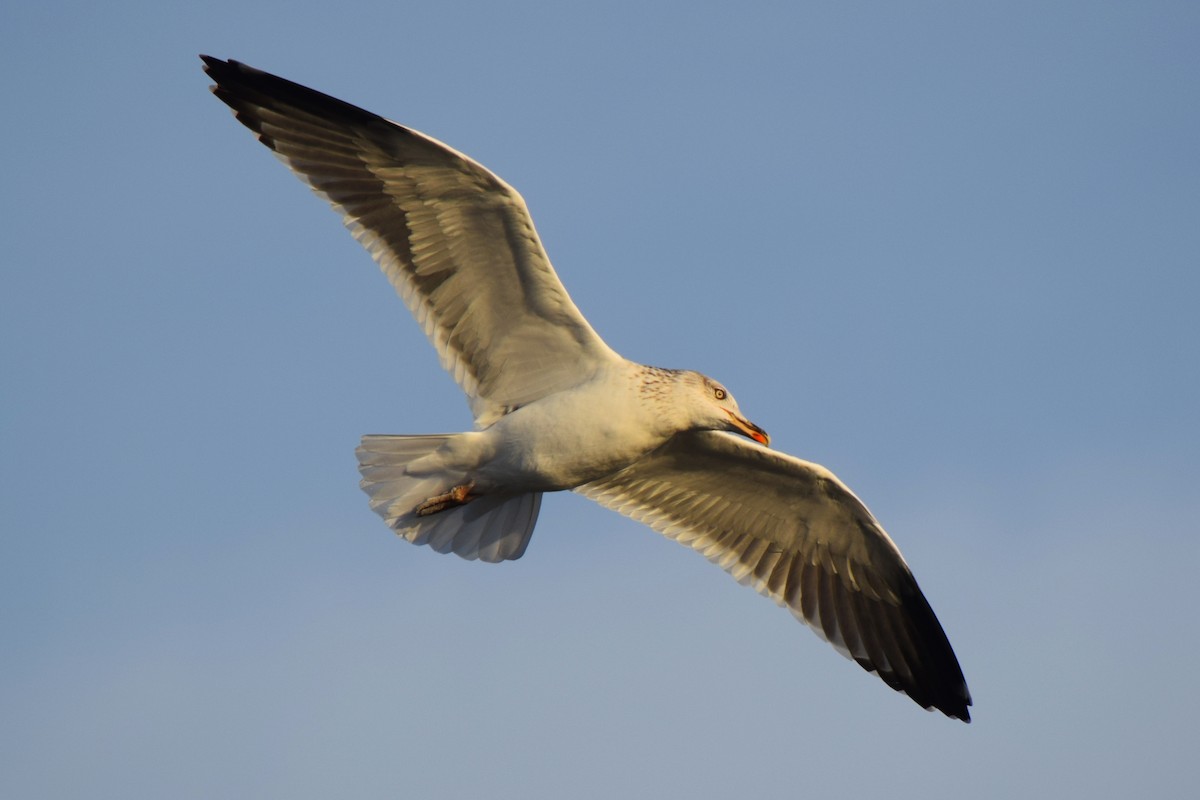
<point x="456" y="241"/>
<point x="795" y="533"/>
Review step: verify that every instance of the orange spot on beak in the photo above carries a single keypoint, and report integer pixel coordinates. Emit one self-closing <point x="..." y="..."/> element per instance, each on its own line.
<point x="748" y="428"/>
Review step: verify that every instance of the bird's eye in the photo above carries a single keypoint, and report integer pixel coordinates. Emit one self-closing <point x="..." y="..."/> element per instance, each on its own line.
<point x="719" y="393"/>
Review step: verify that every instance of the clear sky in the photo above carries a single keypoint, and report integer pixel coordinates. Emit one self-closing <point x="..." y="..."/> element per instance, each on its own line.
<point x="948" y="250"/>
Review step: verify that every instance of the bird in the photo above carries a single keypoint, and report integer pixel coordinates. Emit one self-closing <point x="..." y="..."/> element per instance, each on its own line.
<point x="556" y="409"/>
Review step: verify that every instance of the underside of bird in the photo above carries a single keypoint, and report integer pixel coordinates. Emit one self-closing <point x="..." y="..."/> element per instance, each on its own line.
<point x="459" y="246"/>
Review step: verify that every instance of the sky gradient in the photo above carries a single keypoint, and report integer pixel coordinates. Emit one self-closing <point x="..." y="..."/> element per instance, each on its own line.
<point x="949" y="252"/>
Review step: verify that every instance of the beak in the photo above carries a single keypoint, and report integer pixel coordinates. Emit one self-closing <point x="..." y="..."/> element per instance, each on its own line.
<point x="744" y="426"/>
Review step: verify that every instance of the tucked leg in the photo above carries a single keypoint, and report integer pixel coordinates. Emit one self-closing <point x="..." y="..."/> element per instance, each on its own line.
<point x="457" y="496"/>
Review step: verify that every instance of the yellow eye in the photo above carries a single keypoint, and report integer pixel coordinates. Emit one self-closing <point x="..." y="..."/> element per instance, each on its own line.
<point x="719" y="393"/>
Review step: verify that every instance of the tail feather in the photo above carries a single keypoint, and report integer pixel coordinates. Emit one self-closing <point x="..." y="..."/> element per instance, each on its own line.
<point x="493" y="527"/>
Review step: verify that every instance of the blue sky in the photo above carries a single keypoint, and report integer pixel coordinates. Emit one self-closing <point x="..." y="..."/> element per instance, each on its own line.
<point x="947" y="250"/>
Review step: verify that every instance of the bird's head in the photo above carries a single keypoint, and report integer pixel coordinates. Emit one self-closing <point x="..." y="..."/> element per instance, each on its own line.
<point x="715" y="409"/>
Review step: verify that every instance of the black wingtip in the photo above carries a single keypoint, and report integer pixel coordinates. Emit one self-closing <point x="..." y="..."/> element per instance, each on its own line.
<point x="922" y="663"/>
<point x="237" y="82"/>
<point x="947" y="687"/>
<point x="955" y="709"/>
<point x="215" y="67"/>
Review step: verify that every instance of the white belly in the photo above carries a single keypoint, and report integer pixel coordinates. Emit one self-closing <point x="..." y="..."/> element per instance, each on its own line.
<point x="568" y="439"/>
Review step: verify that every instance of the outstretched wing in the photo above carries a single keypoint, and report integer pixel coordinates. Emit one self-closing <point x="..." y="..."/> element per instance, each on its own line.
<point x="795" y="533"/>
<point x="457" y="242"/>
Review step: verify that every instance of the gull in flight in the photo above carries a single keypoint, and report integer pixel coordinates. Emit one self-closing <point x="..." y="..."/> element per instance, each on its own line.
<point x="556" y="408"/>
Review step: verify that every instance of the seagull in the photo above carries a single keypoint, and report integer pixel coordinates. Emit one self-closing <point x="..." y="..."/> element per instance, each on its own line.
<point x="555" y="408"/>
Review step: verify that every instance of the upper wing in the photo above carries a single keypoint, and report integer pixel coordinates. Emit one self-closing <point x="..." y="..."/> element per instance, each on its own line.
<point x="795" y="533"/>
<point x="456" y="241"/>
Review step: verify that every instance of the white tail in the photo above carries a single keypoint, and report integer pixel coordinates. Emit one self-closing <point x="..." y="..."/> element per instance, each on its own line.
<point x="493" y="527"/>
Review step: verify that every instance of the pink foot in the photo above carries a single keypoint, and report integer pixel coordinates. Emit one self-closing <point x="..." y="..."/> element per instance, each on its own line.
<point x="457" y="496"/>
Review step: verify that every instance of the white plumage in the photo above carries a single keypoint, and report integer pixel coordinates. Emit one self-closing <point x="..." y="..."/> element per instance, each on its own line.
<point x="557" y="409"/>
